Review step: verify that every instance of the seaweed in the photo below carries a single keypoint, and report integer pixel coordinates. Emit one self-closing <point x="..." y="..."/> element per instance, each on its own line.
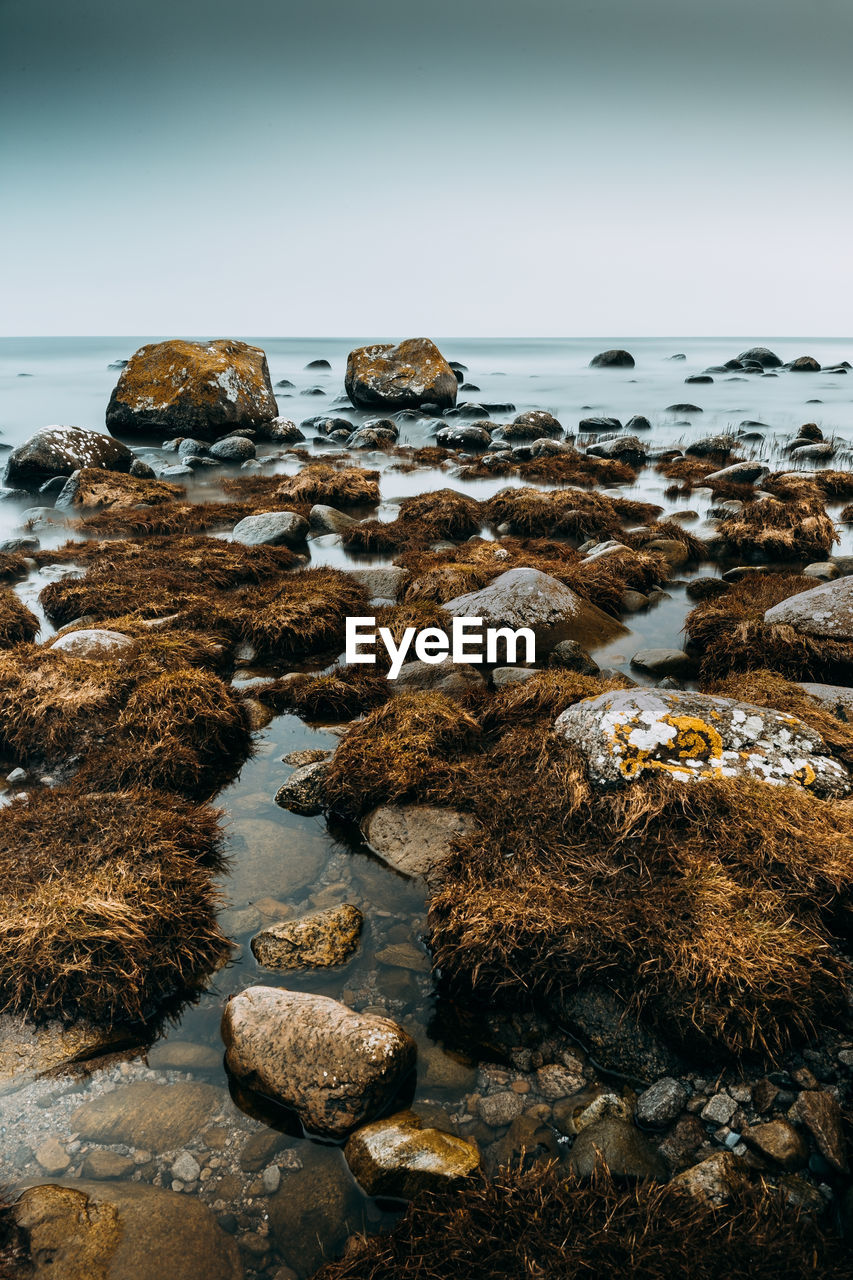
<point x="17" y="624"/>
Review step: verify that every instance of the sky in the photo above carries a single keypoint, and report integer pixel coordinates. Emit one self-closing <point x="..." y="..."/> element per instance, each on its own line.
<point x="462" y="167"/>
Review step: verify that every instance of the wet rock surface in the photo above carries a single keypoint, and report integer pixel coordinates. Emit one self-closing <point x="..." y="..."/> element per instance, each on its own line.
<point x="400" y="1157"/>
<point x="321" y="938"/>
<point x="825" y="611"/>
<point x="408" y="375"/>
<point x="59" y="451"/>
<point x="415" y="839"/>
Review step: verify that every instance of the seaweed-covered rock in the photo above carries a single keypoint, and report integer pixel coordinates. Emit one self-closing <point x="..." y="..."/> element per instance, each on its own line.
<point x="825" y="611"/>
<point x="93" y="489"/>
<point x="319" y="939"/>
<point x="398" y="1157"/>
<point x="201" y="389"/>
<point x="615" y="358"/>
<point x="626" y="733"/>
<point x="123" y="1231"/>
<point x="405" y="376"/>
<point x="335" y="1068"/>
<point x="59" y="451"/>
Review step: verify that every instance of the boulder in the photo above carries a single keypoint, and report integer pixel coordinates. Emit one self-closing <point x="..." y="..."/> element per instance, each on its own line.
<point x="319" y="939"/>
<point x="415" y="838"/>
<point x="91" y="489"/>
<point x="532" y="425"/>
<point x="271" y="529"/>
<point x="804" y="364"/>
<point x="761" y="355"/>
<point x="525" y="597"/>
<point x="621" y="1146"/>
<point x="59" y="451"/>
<point x="740" y="473"/>
<point x="467" y="435"/>
<point x="153" y="1117"/>
<point x="336" y="1069"/>
<point x="825" y="611"/>
<point x="122" y="1231"/>
<point x="573" y="657"/>
<point x="615" y="358"/>
<point x="448" y="677"/>
<point x="695" y="735"/>
<point x="664" y="662"/>
<point x="199" y="389"/>
<point x="280" y="431"/>
<point x="323" y="519"/>
<point x="405" y="376"/>
<point x="303" y="791"/>
<point x="90" y="643"/>
<point x="626" y="448"/>
<point x="837" y="698"/>
<point x="233" y="449"/>
<point x="398" y="1157"/>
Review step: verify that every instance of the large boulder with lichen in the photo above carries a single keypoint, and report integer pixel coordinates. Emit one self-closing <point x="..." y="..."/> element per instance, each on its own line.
<point x="405" y="376"/>
<point x="200" y="389"/>
<point x="825" y="612"/>
<point x="335" y="1068"/>
<point x="60" y="451"/>
<point x="628" y="733"/>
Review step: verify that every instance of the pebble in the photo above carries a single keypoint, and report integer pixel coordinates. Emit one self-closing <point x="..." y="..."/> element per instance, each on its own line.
<point x="185" y="1168"/>
<point x="719" y="1109"/>
<point x="271" y="1178"/>
<point x="661" y="1102"/>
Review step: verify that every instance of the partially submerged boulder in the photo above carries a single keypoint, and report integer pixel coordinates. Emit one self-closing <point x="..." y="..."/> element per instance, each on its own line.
<point x="626" y="733"/>
<point x="201" y="389"/>
<point x="414" y="839"/>
<point x="405" y="376"/>
<point x="59" y="451"/>
<point x="825" y="611"/>
<point x="615" y="358"/>
<point x="333" y="1067"/>
<point x="398" y="1157"/>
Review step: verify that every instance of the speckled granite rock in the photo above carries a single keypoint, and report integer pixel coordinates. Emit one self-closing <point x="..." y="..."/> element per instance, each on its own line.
<point x="825" y="611"/>
<point x="397" y="1157"/>
<point x="59" y="451"/>
<point x="405" y="376"/>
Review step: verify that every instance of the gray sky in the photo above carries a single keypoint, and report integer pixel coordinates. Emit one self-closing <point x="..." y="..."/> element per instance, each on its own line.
<point x="469" y="167"/>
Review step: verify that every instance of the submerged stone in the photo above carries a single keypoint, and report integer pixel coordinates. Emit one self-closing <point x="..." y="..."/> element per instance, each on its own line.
<point x="620" y="1146"/>
<point x="415" y="838"/>
<point x="689" y="736"/>
<point x="398" y="1157"/>
<point x="153" y="1117"/>
<point x="319" y="939"/>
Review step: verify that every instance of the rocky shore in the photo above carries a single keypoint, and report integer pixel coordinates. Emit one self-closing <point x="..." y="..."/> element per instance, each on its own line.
<point x="308" y="970"/>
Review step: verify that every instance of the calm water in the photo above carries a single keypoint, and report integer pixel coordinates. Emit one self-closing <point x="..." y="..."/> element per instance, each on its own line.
<point x="284" y="864"/>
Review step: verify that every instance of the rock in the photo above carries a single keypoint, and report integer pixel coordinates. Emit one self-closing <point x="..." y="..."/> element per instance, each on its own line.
<point x="740" y="473"/>
<point x="820" y="1112"/>
<point x="400" y="377"/>
<point x="526" y="597"/>
<point x="589" y="1106"/>
<point x="555" y="1080"/>
<point x="599" y="423"/>
<point x="321" y="938"/>
<point x="699" y="377"/>
<point x="532" y="425"/>
<point x="151" y="1116"/>
<point x="547" y="448"/>
<point x="335" y="1068"/>
<point x="573" y="657"/>
<point x="272" y="529"/>
<point x="25" y="544"/>
<point x="103" y="1165"/>
<point x="471" y="436"/>
<point x="372" y="438"/>
<point x="414" y="839"/>
<point x="52" y="1156"/>
<point x="303" y="791"/>
<point x="804" y="364"/>
<point x="761" y="355"/>
<point x="613" y="359"/>
<point x="90" y="643"/>
<point x="183" y="1055"/>
<point x="398" y="1157"/>
<point x="322" y="519"/>
<point x="626" y="733"/>
<point x="44" y="519"/>
<point x="503" y="676"/>
<point x="812" y="452"/>
<point x="638" y="423"/>
<point x="271" y="1179"/>
<point x="662" y="1102"/>
<point x="614" y="1035"/>
<point x="719" y="1109"/>
<point x="28" y="1050"/>
<point x="674" y="552"/>
<point x="822" y="570"/>
<point x="447" y="677"/>
<point x="17" y="777"/>
<point x="633" y="601"/>
<point x="185" y="1167"/>
<point x="779" y="1142"/>
<point x="683" y="408"/>
<point x="318" y="364"/>
<point x="626" y="448"/>
<point x="280" y="431"/>
<point x="621" y="1146"/>
<point x="664" y="662"/>
<point x="233" y="449"/>
<point x="825" y="611"/>
<point x="123" y="1231"/>
<point x="526" y="1142"/>
<point x="192" y="388"/>
<point x="383" y="583"/>
<point x="499" y="1109"/>
<point x="314" y="1210"/>
<point x="712" y="1182"/>
<point x="58" y="451"/>
<point x="836" y="698"/>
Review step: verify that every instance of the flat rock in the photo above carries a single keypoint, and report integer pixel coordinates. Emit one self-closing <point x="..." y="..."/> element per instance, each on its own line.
<point x="825" y="611"/>
<point x="398" y="1157"/>
<point x="525" y="597"/>
<point x="28" y="1051"/>
<point x="779" y="1142"/>
<point x="694" y="735"/>
<point x="713" y="1181"/>
<point x="837" y="698"/>
<point x="59" y="451"/>
<point x="200" y="389"/>
<point x="414" y="839"/>
<point x="663" y="662"/>
<point x="621" y="1146"/>
<point x="448" y="677"/>
<point x="90" y="643"/>
<point x="405" y="376"/>
<point x="150" y="1116"/>
<point x="319" y="939"/>
<point x="336" y="1069"/>
<point x="271" y="529"/>
<point x="384" y="583"/>
<point x="123" y="1231"/>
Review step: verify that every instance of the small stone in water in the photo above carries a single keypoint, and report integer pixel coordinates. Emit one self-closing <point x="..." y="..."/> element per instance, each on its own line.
<point x="271" y="1178"/>
<point x="185" y="1168"/>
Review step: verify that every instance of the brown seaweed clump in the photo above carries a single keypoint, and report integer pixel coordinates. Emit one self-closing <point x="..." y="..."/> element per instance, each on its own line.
<point x="334" y="697"/>
<point x="302" y="614"/>
<point x="422" y="520"/>
<point x="17" y="624"/>
<point x="571" y="513"/>
<point x="540" y="1224"/>
<point x="567" y="467"/>
<point x="319" y="482"/>
<point x="732" y="635"/>
<point x="711" y="911"/>
<point x="107" y="906"/>
<point x="797" y="529"/>
<point x="121" y="723"/>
